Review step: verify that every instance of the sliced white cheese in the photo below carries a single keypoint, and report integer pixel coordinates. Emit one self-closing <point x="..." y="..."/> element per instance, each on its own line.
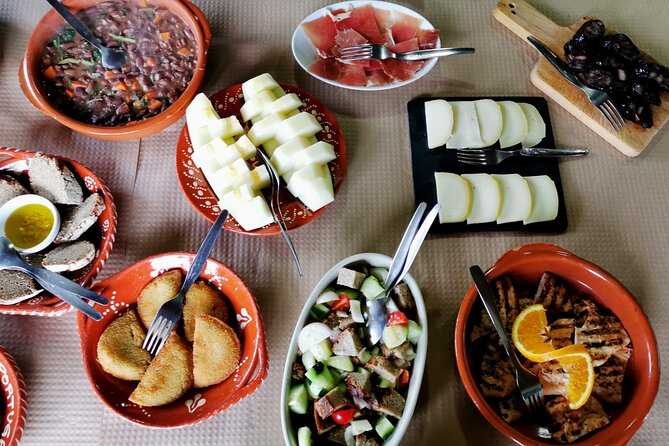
<point x="466" y="133"/>
<point x="302" y="124"/>
<point x="536" y="127"/>
<point x="545" y="201"/>
<point x="486" y="198"/>
<point x="265" y="129"/>
<point x="516" y="198"/>
<point x="257" y="105"/>
<point x="252" y="87"/>
<point x="514" y="129"/>
<point x="284" y="104"/>
<point x="438" y="122"/>
<point x="490" y="121"/>
<point x="454" y="193"/>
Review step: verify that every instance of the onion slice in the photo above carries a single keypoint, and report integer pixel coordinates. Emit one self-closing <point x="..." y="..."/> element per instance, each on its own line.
<point x="328" y="296"/>
<point x="312" y="334"/>
<point x="356" y="311"/>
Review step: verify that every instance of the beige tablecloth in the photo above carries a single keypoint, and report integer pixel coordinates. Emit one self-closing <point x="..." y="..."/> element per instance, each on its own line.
<point x="617" y="208"/>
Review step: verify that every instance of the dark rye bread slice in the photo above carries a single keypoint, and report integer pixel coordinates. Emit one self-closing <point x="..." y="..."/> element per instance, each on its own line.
<point x="69" y="256"/>
<point x="53" y="180"/>
<point x="77" y="220"/>
<point x="10" y="188"/>
<point x="16" y="286"/>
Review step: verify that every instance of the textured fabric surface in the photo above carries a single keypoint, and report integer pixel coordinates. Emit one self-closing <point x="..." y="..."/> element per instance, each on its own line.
<point x="617" y="209"/>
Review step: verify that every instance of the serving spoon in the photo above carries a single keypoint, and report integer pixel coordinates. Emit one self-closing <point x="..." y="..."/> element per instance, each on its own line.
<point x="58" y="285"/>
<point x="111" y="57"/>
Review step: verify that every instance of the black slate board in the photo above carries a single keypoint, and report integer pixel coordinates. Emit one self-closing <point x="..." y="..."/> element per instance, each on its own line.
<point x="426" y="162"/>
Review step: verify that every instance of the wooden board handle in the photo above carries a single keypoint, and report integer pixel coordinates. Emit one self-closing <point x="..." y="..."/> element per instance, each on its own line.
<point x="524" y="20"/>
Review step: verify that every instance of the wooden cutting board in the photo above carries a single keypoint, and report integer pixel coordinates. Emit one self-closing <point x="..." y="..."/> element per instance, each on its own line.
<point x="524" y="20"/>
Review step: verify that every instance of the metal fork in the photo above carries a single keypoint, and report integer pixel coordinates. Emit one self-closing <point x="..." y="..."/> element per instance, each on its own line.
<point x="530" y="388"/>
<point x="600" y="99"/>
<point x="170" y="313"/>
<point x="490" y="157"/>
<point x="380" y="52"/>
<point x="275" y="206"/>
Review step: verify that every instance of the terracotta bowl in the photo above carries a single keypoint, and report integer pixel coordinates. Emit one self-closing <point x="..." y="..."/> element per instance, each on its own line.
<point x="228" y="102"/>
<point x="13" y="403"/>
<point x="30" y="76"/>
<point x="44" y="304"/>
<point x="525" y="266"/>
<point x="196" y="405"/>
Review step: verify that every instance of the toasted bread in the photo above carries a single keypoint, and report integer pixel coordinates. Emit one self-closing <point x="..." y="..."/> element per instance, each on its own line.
<point x="52" y="179"/>
<point x="168" y="377"/>
<point x="156" y="293"/>
<point x="69" y="256"/>
<point x="202" y="298"/>
<point x="78" y="219"/>
<point x="10" y="188"/>
<point x="216" y="351"/>
<point x="120" y="350"/>
<point x="16" y="286"/>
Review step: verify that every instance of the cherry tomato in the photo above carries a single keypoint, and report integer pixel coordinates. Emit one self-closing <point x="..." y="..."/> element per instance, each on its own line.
<point x="343" y="304"/>
<point x="403" y="379"/>
<point x="343" y="416"/>
<point x="397" y="318"/>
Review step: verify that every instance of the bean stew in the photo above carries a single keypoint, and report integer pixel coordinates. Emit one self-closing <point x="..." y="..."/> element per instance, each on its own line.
<point x="161" y="61"/>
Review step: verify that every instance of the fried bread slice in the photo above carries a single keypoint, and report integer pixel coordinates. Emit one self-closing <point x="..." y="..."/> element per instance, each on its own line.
<point x="120" y="351"/>
<point x="168" y="377"/>
<point x="203" y="299"/>
<point x="216" y="351"/>
<point x="156" y="293"/>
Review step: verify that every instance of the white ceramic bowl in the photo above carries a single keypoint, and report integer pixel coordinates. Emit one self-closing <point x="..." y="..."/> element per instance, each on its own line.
<point x="22" y="200"/>
<point x="373" y="260"/>
<point x="305" y="53"/>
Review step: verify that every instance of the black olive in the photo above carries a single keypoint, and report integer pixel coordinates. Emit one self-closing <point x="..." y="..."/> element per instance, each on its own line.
<point x="622" y="46"/>
<point x="319" y="367"/>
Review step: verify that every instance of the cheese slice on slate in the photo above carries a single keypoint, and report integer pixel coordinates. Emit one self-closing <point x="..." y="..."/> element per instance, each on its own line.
<point x="454" y="194"/>
<point x="438" y="122"/>
<point x="514" y="129"/>
<point x="545" y="201"/>
<point x="486" y="198"/>
<point x="536" y="127"/>
<point x="516" y="198"/>
<point x="490" y="121"/>
<point x="465" y="133"/>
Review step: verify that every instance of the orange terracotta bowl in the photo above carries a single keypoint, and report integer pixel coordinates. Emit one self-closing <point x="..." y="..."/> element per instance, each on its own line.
<point x="13" y="403"/>
<point x="525" y="266"/>
<point x="196" y="405"/>
<point x="16" y="162"/>
<point x="30" y="75"/>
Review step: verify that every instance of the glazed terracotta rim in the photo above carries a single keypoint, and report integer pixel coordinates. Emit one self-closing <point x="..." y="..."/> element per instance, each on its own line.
<point x="53" y="306"/>
<point x="252" y="376"/>
<point x="11" y="378"/>
<point x="634" y="413"/>
<point x="202" y="197"/>
<point x="30" y="79"/>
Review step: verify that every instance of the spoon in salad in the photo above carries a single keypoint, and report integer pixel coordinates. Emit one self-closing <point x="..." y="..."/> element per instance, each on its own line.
<point x="375" y="310"/>
<point x="111" y="57"/>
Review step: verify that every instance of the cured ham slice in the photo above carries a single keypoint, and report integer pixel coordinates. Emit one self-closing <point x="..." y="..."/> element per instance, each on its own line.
<point x="327" y="68"/>
<point x="363" y="21"/>
<point x="427" y="38"/>
<point x="400" y="70"/>
<point x="353" y="75"/>
<point x="322" y="33"/>
<point x="401" y="26"/>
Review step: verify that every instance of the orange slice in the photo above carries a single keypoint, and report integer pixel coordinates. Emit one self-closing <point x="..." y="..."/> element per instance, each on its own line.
<point x="528" y="333"/>
<point x="578" y="365"/>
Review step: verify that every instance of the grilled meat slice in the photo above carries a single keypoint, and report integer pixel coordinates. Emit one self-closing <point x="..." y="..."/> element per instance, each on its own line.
<point x="496" y="373"/>
<point x="510" y="409"/>
<point x="603" y="337"/>
<point x="482" y="328"/>
<point x="509" y="308"/>
<point x="573" y="424"/>
<point x="609" y="380"/>
<point x="561" y="332"/>
<point x="553" y="294"/>
<point x="552" y="376"/>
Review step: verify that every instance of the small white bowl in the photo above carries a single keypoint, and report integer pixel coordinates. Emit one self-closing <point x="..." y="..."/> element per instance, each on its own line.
<point x="305" y="53"/>
<point x="22" y="200"/>
<point x="373" y="260"/>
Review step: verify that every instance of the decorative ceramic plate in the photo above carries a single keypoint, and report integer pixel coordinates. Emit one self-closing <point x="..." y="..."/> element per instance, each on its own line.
<point x="196" y="405"/>
<point x="16" y="162"/>
<point x="228" y="102"/>
<point x="13" y="404"/>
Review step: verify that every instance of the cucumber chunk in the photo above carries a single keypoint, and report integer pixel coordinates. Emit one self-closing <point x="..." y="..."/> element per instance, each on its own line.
<point x="322" y="350"/>
<point x="349" y="292"/>
<point x="395" y="335"/>
<point x="304" y="436"/>
<point x="319" y="312"/>
<point x="384" y="428"/>
<point x="343" y="363"/>
<point x="360" y="426"/>
<point x="308" y="360"/>
<point x="414" y="333"/>
<point x="297" y="399"/>
<point x="321" y="376"/>
<point x="380" y="273"/>
<point x="314" y="390"/>
<point x="371" y="288"/>
<point x="385" y="384"/>
<point x="364" y="356"/>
